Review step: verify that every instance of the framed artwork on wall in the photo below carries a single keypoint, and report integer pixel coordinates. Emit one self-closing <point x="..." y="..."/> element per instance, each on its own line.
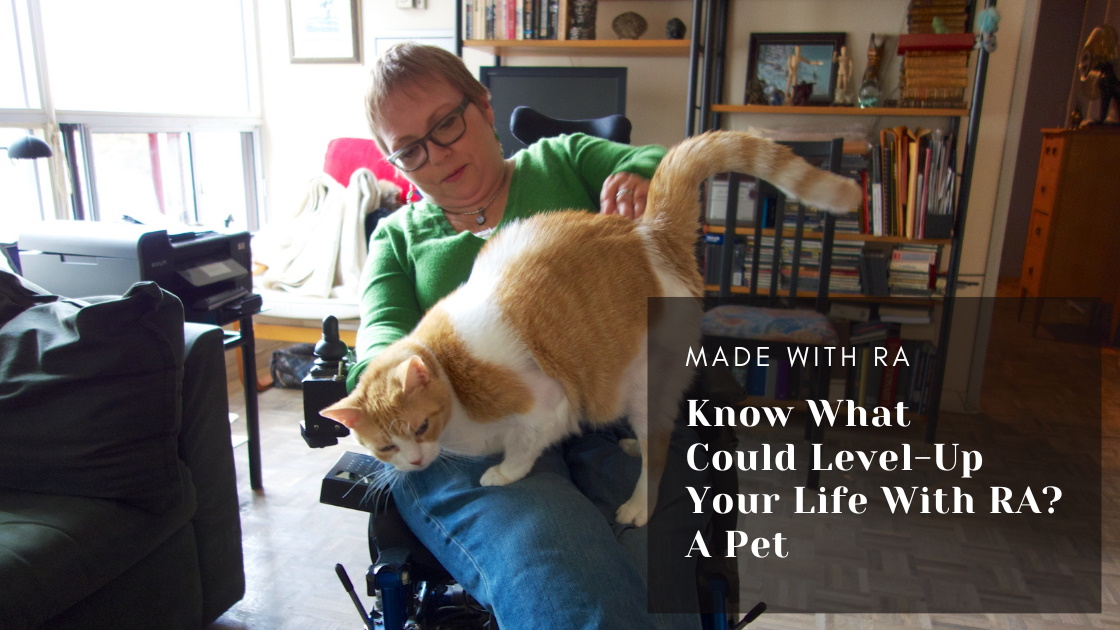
<point x="792" y="68"/>
<point x="324" y="31"/>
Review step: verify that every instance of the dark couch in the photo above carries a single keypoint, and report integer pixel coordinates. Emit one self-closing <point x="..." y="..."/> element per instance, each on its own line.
<point x="118" y="496"/>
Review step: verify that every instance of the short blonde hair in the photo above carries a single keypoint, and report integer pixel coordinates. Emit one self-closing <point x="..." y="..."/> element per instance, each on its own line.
<point x="410" y="64"/>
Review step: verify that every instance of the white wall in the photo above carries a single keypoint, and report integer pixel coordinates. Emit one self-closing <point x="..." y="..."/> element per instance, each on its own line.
<point x="306" y="105"/>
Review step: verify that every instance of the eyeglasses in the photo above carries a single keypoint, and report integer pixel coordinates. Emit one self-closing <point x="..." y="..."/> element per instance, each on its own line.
<point x="445" y="133"/>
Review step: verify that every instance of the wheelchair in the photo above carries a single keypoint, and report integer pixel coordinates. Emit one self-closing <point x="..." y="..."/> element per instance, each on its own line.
<point x="411" y="589"/>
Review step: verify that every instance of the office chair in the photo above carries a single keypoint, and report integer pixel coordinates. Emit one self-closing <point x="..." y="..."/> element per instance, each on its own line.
<point x="412" y="589"/>
<point x="770" y="311"/>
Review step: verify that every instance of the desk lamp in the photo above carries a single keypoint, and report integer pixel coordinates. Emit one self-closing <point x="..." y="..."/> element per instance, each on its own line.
<point x="28" y="148"/>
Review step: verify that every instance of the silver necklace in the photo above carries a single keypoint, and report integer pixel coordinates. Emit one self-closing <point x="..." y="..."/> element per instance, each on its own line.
<point x="482" y="217"/>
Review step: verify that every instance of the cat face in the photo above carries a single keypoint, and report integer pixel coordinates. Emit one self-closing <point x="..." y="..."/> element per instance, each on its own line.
<point x="398" y="412"/>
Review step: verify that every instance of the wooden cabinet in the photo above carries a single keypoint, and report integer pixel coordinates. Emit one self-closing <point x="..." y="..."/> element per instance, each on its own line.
<point x="1075" y="217"/>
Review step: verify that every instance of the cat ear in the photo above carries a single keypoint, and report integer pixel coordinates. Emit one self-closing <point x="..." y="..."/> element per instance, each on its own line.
<point x="414" y="374"/>
<point x="344" y="412"/>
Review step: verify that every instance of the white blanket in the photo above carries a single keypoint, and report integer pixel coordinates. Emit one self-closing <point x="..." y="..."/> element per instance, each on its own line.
<point x="320" y="251"/>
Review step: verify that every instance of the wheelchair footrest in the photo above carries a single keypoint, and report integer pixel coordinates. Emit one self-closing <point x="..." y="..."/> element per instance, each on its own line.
<point x="350" y="482"/>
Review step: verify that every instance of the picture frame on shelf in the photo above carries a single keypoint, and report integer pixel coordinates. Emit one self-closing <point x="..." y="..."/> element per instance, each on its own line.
<point x="324" y="31"/>
<point x="772" y="54"/>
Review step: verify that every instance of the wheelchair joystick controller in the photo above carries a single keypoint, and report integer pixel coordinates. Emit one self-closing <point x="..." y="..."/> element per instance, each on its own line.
<point x="330" y="352"/>
<point x="323" y="386"/>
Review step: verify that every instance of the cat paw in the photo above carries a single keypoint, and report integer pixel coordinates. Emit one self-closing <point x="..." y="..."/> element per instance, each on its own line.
<point x="631" y="447"/>
<point x="634" y="512"/>
<point x="494" y="477"/>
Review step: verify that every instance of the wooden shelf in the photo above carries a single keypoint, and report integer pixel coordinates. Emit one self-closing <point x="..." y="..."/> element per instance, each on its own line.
<point x="840" y="297"/>
<point x="591" y="47"/>
<point x="839" y="236"/>
<point x="824" y="110"/>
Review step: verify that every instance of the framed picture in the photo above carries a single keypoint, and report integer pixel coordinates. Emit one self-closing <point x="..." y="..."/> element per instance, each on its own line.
<point x="809" y="55"/>
<point x="324" y="31"/>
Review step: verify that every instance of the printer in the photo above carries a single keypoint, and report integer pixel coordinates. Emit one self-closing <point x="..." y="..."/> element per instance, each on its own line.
<point x="207" y="271"/>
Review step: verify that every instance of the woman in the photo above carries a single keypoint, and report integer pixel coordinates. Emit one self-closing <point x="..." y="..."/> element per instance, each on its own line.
<point x="544" y="552"/>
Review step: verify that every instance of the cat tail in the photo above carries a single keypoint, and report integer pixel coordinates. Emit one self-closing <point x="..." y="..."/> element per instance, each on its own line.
<point x="673" y="205"/>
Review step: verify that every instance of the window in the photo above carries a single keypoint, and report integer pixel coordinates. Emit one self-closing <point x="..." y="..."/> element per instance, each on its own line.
<point x="20" y="90"/>
<point x="161" y="178"/>
<point x="140" y="56"/>
<point x="157" y="103"/>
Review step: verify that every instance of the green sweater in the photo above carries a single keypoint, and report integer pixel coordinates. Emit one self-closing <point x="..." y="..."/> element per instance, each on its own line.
<point x="416" y="257"/>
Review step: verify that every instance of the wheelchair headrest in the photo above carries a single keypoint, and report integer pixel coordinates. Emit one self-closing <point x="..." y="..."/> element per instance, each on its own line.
<point x="528" y="125"/>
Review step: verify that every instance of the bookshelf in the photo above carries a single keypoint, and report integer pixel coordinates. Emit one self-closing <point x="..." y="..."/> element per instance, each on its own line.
<point x="705" y="113"/>
<point x="808" y="110"/>
<point x="589" y="47"/>
<point x="557" y="43"/>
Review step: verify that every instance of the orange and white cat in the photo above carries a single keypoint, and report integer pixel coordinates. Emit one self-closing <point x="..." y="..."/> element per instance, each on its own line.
<point x="550" y="330"/>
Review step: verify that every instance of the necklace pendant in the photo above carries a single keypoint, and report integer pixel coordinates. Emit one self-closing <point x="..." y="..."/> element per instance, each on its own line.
<point x="480" y="220"/>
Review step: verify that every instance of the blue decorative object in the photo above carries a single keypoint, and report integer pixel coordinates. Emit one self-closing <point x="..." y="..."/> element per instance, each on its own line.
<point x="988" y="23"/>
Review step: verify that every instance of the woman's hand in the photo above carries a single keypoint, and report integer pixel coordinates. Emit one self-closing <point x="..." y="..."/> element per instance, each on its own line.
<point x="624" y="194"/>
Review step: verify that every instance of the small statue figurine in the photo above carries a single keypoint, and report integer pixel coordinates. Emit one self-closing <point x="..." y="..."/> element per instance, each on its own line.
<point x="793" y="64"/>
<point x="583" y="19"/>
<point x="869" y="89"/>
<point x="843" y="63"/>
<point x="675" y="29"/>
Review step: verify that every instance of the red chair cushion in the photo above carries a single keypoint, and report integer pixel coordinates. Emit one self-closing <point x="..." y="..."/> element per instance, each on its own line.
<point x="346" y="155"/>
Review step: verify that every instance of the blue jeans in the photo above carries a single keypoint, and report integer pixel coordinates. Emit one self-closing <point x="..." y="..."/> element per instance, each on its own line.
<point x="545" y="552"/>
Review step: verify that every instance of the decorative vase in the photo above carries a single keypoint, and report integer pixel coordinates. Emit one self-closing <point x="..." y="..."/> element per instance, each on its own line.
<point x="869" y="88"/>
<point x="629" y="25"/>
<point x="583" y="19"/>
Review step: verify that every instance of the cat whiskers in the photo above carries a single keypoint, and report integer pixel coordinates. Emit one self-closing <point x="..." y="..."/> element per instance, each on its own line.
<point x="379" y="486"/>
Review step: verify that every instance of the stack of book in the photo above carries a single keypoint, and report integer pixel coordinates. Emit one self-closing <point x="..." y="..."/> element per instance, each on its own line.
<point x="765" y="262"/>
<point x="742" y="251"/>
<point x="904" y="314"/>
<point x="873" y="272"/>
<point x="868" y="332"/>
<point x="514" y="19"/>
<point x="912" y="183"/>
<point x="913" y="270"/>
<point x="845" y="275"/>
<point x="935" y="54"/>
<point x="884" y="383"/>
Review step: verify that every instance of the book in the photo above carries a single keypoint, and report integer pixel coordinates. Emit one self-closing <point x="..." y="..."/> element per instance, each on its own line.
<point x="756" y="379"/>
<point x="868" y="332"/>
<point x="864" y="362"/>
<point x="888" y="387"/>
<point x="849" y="311"/>
<point x="717" y="190"/>
<point x="902" y="314"/>
<point x="910" y="42"/>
